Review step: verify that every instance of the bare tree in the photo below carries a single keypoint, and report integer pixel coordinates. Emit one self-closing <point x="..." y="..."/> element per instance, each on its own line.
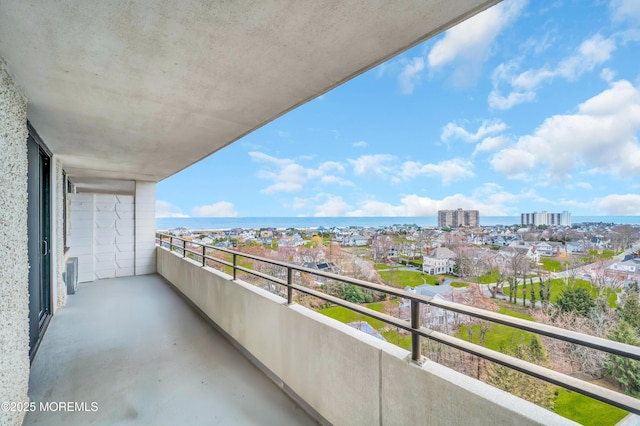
<point x="571" y="358"/>
<point x="497" y="266"/>
<point x="604" y="281"/>
<point x="623" y="236"/>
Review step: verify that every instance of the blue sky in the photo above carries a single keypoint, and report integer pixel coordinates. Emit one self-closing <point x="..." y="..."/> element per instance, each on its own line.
<point x="527" y="106"/>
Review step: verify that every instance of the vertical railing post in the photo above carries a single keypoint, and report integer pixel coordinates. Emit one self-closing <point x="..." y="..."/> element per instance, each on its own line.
<point x="289" y="288"/>
<point x="415" y="325"/>
<point x="184" y="248"/>
<point x="171" y="243"/>
<point x="235" y="264"/>
<point x="204" y="253"/>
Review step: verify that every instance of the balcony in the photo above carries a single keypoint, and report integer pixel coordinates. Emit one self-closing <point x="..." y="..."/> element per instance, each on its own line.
<point x="144" y="355"/>
<point x="133" y="346"/>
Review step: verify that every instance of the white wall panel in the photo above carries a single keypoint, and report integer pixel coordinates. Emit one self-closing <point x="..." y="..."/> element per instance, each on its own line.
<point x="102" y="235"/>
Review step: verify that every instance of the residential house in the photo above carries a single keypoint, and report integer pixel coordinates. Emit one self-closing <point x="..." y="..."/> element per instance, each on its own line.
<point x="356" y="240"/>
<point x="528" y="251"/>
<point x="438" y="261"/>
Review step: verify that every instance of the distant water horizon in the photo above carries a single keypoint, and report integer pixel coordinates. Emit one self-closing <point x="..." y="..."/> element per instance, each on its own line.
<point x="211" y="223"/>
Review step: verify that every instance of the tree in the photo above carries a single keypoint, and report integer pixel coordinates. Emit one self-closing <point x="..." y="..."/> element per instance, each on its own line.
<point x="571" y="358"/>
<point x="577" y="300"/>
<point x="622" y="236"/>
<point x="354" y="294"/>
<point x="533" y="293"/>
<point x="629" y="310"/>
<point x="520" y="384"/>
<point x="497" y="267"/>
<point x="624" y="370"/>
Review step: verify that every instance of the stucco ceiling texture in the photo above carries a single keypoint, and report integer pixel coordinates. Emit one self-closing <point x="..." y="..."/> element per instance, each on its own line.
<point x="142" y="89"/>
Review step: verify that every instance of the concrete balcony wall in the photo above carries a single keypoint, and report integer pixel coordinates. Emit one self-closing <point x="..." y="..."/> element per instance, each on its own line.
<point x="14" y="264"/>
<point x="342" y="375"/>
<point x="145" y="228"/>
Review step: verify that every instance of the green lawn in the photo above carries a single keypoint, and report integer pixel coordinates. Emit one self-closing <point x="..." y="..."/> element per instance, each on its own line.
<point x="585" y="410"/>
<point x="458" y="284"/>
<point x="551" y="264"/>
<point x="558" y="285"/>
<point x="500" y="336"/>
<point x="489" y="278"/>
<point x="381" y="266"/>
<point x="402" y="279"/>
<point x="606" y="254"/>
<point x="346" y="316"/>
<point x="515" y="314"/>
<point x="391" y="336"/>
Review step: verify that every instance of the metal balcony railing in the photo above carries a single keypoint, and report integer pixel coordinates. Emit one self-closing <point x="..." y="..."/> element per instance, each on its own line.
<point x="617" y="399"/>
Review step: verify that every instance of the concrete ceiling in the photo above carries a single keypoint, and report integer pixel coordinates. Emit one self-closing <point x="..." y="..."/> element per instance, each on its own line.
<point x="142" y="89"/>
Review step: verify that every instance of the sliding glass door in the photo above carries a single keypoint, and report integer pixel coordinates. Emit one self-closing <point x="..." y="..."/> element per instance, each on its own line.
<point x="39" y="243"/>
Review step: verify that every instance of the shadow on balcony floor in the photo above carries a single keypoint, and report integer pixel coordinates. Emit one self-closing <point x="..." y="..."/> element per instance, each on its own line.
<point x="135" y="348"/>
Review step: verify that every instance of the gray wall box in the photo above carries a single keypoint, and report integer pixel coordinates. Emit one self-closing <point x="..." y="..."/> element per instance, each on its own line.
<point x="71" y="275"/>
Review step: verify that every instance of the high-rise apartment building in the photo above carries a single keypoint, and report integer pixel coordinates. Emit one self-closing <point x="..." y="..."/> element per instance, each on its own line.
<point x="457" y="218"/>
<point x="544" y="218"/>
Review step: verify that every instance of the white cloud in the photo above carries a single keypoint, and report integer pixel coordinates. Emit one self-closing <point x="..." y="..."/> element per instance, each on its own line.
<point x="619" y="204"/>
<point x="497" y="101"/>
<point x="449" y="171"/>
<point x="591" y="53"/>
<point x="491" y="144"/>
<point x="410" y="75"/>
<point x="376" y="164"/>
<point x="584" y="185"/>
<point x="455" y="131"/>
<point x="378" y="208"/>
<point x="335" y="180"/>
<point x="219" y="209"/>
<point x="602" y="136"/>
<point x="625" y="10"/>
<point x="522" y="86"/>
<point x="469" y="42"/>
<point x="608" y="75"/>
<point x="332" y="207"/>
<point x="321" y="205"/>
<point x="287" y="176"/>
<point x="360" y="144"/>
<point x="166" y="209"/>
<point x="489" y="200"/>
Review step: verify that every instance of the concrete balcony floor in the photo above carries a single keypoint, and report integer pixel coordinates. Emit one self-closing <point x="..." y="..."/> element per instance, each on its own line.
<point x="137" y="349"/>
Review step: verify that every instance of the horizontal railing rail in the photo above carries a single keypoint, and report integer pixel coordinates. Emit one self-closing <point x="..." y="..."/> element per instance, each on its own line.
<point x="413" y="326"/>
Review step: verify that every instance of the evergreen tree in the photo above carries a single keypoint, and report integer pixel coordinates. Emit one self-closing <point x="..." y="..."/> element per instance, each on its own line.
<point x="629" y="310"/>
<point x="547" y="295"/>
<point x="624" y="370"/>
<point x="520" y="384"/>
<point x="533" y="293"/>
<point x="578" y="300"/>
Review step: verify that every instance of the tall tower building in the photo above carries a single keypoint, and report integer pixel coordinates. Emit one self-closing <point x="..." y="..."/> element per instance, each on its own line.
<point x="458" y="218"/>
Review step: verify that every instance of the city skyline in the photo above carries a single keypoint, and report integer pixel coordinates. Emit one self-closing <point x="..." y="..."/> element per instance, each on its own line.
<point x="517" y="109"/>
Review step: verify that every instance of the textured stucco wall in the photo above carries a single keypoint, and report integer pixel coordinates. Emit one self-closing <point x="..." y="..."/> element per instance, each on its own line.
<point x="59" y="244"/>
<point x="14" y="266"/>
